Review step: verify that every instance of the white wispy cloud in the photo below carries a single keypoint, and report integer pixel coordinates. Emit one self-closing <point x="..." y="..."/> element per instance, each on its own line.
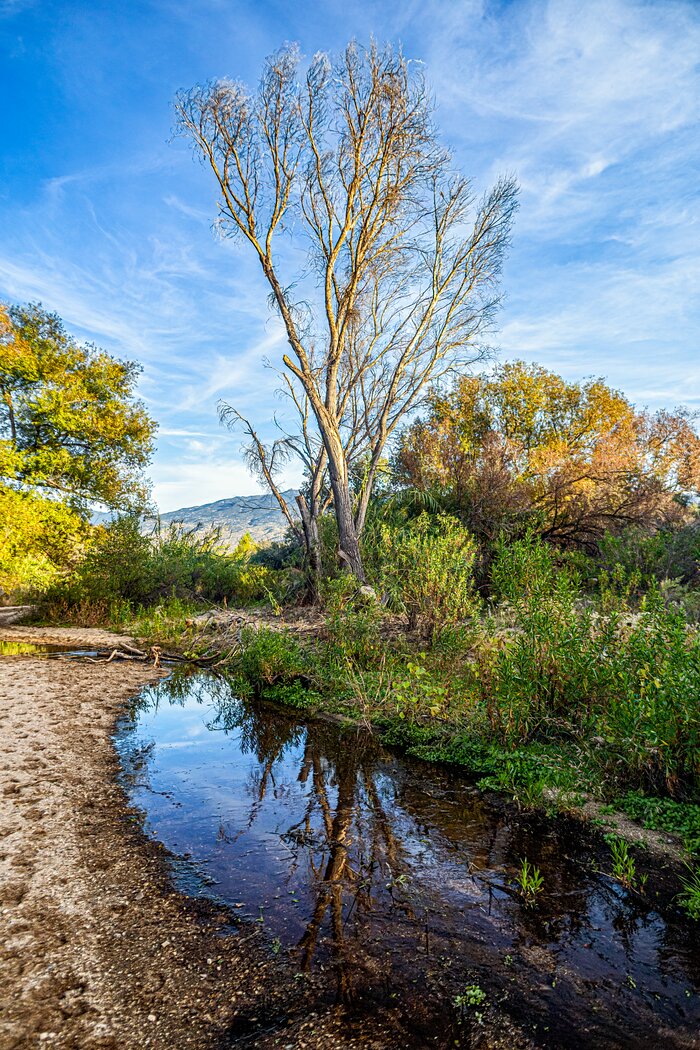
<point x="8" y="8"/>
<point x="595" y="108"/>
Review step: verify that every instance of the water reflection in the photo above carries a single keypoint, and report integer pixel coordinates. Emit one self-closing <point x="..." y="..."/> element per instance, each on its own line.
<point x="13" y="648"/>
<point x="399" y="877"/>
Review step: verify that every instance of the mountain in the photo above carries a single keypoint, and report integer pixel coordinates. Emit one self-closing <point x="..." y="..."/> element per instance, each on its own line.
<point x="258" y="515"/>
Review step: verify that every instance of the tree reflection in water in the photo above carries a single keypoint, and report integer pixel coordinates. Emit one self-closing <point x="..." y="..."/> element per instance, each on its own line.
<point x="403" y="874"/>
<point x="344" y="837"/>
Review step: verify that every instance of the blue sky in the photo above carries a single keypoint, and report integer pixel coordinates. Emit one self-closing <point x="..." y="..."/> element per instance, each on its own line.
<point x="594" y="106"/>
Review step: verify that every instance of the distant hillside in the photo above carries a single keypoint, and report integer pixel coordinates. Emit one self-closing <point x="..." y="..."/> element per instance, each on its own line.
<point x="259" y="515"/>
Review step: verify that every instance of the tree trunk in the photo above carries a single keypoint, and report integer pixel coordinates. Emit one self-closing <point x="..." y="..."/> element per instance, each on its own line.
<point x="313" y="544"/>
<point x="348" y="542"/>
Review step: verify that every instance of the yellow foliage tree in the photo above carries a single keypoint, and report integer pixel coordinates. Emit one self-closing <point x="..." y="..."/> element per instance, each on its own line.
<point x="71" y="435"/>
<point x="522" y="444"/>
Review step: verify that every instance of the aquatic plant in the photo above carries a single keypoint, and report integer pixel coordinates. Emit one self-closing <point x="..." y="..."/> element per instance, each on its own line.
<point x="689" y="898"/>
<point x="530" y="882"/>
<point x="624" y="867"/>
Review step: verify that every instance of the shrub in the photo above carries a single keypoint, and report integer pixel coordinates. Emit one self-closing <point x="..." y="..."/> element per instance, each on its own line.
<point x="124" y="563"/>
<point x="352" y="622"/>
<point x="425" y="568"/>
<point x="654" y="685"/>
<point x="270" y="658"/>
<point x="118" y="564"/>
<point x="417" y="692"/>
<point x="661" y="555"/>
<point x="522" y="569"/>
<point x="544" y="673"/>
<point x="632" y="679"/>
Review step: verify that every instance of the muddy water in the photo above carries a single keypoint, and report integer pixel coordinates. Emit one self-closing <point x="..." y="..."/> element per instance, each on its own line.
<point x="396" y="881"/>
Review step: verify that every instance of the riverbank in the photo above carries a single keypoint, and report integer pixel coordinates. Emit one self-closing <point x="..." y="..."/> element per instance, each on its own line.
<point x="417" y="697"/>
<point x="98" y="949"/>
<point x="371" y="671"/>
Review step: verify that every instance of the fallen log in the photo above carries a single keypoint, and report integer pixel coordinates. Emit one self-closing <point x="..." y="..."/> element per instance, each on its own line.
<point x="131" y="649"/>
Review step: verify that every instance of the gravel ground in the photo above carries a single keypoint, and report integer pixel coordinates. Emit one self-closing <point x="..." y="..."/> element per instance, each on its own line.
<point x="97" y="949"/>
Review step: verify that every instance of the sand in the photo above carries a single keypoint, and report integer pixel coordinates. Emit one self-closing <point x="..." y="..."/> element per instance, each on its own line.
<point x="97" y="948"/>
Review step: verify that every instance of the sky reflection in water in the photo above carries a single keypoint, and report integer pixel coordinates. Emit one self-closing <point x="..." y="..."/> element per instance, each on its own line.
<point x="396" y="874"/>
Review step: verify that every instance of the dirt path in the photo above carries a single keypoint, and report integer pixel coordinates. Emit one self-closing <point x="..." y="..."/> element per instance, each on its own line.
<point x="96" y="947"/>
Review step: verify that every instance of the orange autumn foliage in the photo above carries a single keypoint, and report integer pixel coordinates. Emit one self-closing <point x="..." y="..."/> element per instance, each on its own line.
<point x="521" y="445"/>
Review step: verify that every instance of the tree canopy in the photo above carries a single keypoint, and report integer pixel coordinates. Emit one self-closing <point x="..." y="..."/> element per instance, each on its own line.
<point x="71" y="435"/>
<point x="522" y="444"/>
<point x="70" y="427"/>
<point x="398" y="277"/>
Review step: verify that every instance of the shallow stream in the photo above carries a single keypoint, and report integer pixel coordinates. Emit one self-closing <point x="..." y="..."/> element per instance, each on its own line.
<point x="397" y="880"/>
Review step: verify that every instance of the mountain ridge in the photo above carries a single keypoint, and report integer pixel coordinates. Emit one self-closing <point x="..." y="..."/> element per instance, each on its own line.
<point x="259" y="515"/>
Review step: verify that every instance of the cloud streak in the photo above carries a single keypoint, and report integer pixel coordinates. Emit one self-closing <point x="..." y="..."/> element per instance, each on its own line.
<point x="594" y="106"/>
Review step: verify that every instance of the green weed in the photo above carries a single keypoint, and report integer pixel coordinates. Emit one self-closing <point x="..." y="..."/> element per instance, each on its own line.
<point x="665" y="814"/>
<point x="471" y="997"/>
<point x="689" y="898"/>
<point x="530" y="882"/>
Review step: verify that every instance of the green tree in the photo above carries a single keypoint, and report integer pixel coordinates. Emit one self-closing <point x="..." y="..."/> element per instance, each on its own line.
<point x="70" y="427"/>
<point x="71" y="436"/>
<point x="40" y="540"/>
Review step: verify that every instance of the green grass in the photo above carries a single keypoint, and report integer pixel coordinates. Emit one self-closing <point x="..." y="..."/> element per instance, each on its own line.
<point x="164" y="623"/>
<point x="689" y="897"/>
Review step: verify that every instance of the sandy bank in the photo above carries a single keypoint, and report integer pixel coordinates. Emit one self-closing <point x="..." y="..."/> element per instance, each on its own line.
<point x="96" y="948"/>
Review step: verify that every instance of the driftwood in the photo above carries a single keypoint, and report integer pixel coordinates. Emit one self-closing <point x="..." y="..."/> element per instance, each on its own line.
<point x="15" y="614"/>
<point x="218" y="633"/>
<point x="154" y="655"/>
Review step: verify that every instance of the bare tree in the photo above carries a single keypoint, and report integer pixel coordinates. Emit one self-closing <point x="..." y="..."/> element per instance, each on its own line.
<point x="265" y="461"/>
<point x="403" y="260"/>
